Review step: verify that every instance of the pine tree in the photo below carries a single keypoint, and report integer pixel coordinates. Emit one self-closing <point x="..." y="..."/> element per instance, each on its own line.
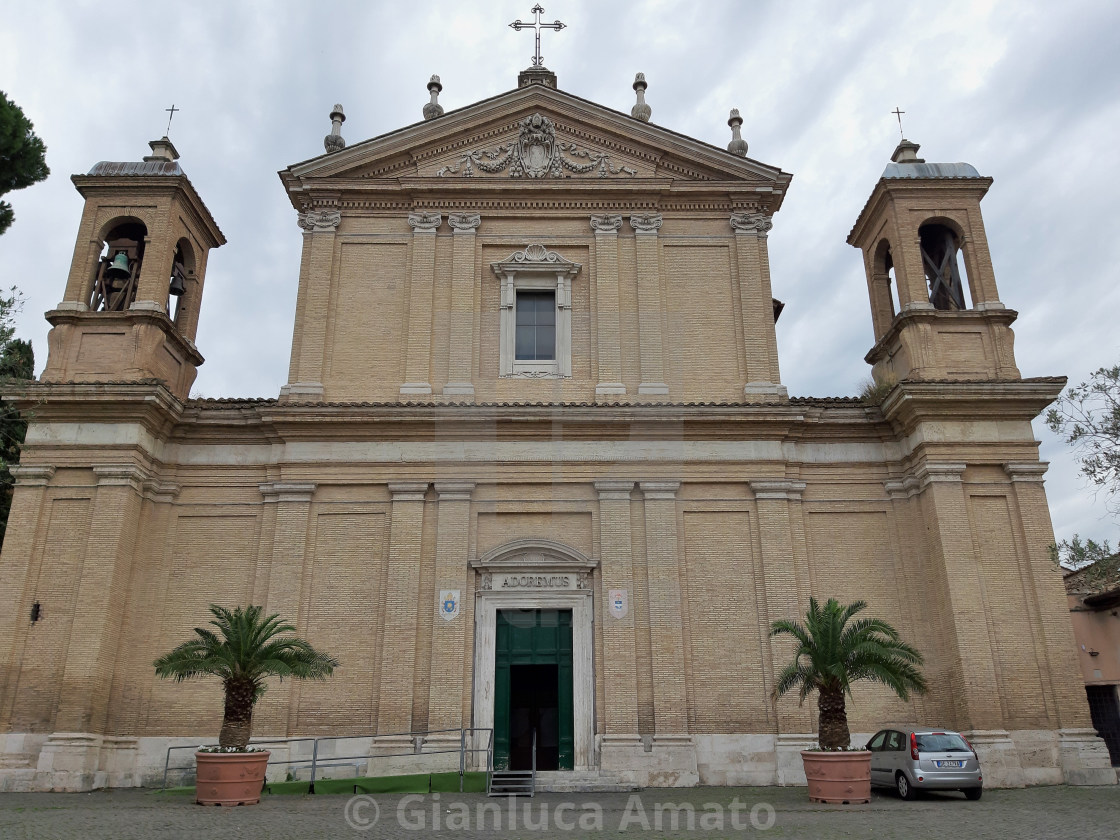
<point x="22" y="156"/>
<point x="17" y="362"/>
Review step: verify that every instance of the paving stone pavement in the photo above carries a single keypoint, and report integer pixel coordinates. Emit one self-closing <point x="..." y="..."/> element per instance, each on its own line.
<point x="1047" y="812"/>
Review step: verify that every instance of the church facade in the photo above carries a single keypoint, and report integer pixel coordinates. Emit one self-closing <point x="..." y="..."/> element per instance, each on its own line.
<point x="534" y="469"/>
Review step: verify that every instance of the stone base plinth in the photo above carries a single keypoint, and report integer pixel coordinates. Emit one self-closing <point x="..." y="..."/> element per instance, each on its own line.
<point x="650" y="761"/>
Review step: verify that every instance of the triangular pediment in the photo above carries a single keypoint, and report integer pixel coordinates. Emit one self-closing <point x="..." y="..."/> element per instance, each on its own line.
<point x="536" y="133"/>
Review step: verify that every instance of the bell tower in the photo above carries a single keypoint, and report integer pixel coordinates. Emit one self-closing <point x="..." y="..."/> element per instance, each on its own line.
<point x="131" y="306"/>
<point x="934" y="305"/>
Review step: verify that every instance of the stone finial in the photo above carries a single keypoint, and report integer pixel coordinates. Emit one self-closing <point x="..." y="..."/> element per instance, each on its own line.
<point x="333" y="142"/>
<point x="433" y="109"/>
<point x="737" y="146"/>
<point x="641" y="111"/>
<point x="907" y="152"/>
<point x="162" y="149"/>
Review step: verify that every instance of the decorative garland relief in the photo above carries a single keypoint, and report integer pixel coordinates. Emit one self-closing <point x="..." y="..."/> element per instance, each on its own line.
<point x="536" y="154"/>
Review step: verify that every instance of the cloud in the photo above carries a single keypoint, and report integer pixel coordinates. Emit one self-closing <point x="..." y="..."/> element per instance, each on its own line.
<point x="1026" y="92"/>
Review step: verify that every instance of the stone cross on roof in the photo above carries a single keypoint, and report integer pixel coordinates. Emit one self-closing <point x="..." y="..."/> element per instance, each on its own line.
<point x="538" y="26"/>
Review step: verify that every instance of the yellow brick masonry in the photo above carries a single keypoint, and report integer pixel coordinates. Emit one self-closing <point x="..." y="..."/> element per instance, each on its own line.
<point x="761" y="358"/>
<point x="320" y="246"/>
<point x="774" y="499"/>
<point x="620" y="715"/>
<point x="16" y="571"/>
<point x="418" y="359"/>
<point x="650" y="311"/>
<point x="287" y="566"/>
<point x="401" y="588"/>
<point x="607" y="306"/>
<point x="460" y="363"/>
<point x="670" y="711"/>
<point x="99" y="610"/>
<point x="974" y="684"/>
<point x="449" y="637"/>
<point x="1054" y="644"/>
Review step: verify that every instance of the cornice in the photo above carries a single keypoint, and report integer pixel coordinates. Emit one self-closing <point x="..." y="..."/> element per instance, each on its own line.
<point x="1003" y="317"/>
<point x="482" y="121"/>
<point x="912" y="402"/>
<point x="130" y="316"/>
<point x="891" y="189"/>
<point x="136" y="185"/>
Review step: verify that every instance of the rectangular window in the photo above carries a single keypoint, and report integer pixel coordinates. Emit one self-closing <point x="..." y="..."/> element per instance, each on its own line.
<point x="536" y="326"/>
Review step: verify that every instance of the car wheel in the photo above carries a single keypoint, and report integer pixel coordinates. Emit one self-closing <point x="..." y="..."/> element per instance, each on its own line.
<point x="905" y="789"/>
<point x="973" y="793"/>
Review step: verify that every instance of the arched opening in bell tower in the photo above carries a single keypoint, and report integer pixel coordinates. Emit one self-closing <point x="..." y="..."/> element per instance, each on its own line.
<point x="182" y="271"/>
<point x="944" y="266"/>
<point x="117" y="273"/>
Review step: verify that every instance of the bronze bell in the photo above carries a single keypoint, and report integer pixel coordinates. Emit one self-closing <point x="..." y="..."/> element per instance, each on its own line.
<point x="178" y="283"/>
<point x="118" y="269"/>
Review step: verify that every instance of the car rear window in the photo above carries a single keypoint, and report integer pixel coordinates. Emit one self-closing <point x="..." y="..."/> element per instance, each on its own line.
<point x="942" y="742"/>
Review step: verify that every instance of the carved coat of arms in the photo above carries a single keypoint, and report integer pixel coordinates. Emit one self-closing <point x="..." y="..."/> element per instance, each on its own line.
<point x="536" y="154"/>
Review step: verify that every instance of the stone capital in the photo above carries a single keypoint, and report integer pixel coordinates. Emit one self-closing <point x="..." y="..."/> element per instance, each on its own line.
<point x="777" y="489"/>
<point x="424" y="222"/>
<point x="645" y="223"/>
<point x="408" y="491"/>
<point x="659" y="489"/>
<point x="288" y="491"/>
<point x="614" y="490"/>
<point x="161" y="491"/>
<point x="1028" y="471"/>
<point x="758" y="224"/>
<point x="902" y="488"/>
<point x="464" y="222"/>
<point x="27" y="475"/>
<point x="320" y="220"/>
<point x="454" y="491"/>
<point x="120" y="475"/>
<point x="606" y="223"/>
<point x="943" y="473"/>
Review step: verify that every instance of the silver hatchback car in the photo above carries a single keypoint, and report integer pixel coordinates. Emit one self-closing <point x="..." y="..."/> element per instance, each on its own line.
<point x="925" y="759"/>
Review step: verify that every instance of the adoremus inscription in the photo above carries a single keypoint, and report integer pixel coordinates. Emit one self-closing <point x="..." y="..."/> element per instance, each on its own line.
<point x="429" y="813"/>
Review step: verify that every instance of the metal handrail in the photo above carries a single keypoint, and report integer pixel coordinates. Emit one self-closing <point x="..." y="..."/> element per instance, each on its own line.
<point x="417" y="738"/>
<point x="533" y="787"/>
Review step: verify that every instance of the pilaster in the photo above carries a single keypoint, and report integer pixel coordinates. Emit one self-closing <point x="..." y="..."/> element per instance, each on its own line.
<point x="305" y="377"/>
<point x="650" y="339"/>
<point x="663" y="561"/>
<point x="609" y="347"/>
<point x="973" y="684"/>
<point x="1059" y="663"/>
<point x="449" y="635"/>
<point x="756" y="301"/>
<point x="285" y="586"/>
<point x="99" y="605"/>
<point x="773" y="500"/>
<point x="460" y="364"/>
<point x="402" y="581"/>
<point x="15" y="571"/>
<point x="620" y="717"/>
<point x="419" y="352"/>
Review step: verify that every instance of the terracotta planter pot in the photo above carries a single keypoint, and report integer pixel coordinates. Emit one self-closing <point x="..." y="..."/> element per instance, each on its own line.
<point x="229" y="778"/>
<point x="838" y="777"/>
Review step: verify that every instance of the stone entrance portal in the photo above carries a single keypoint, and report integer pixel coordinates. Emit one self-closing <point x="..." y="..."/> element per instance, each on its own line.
<point x="533" y="690"/>
<point x="533" y="654"/>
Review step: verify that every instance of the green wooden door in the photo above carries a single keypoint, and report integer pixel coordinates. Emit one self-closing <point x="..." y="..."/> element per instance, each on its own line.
<point x="533" y="688"/>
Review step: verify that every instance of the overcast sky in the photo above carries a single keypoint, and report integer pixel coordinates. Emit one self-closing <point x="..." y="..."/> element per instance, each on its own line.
<point x="1028" y="92"/>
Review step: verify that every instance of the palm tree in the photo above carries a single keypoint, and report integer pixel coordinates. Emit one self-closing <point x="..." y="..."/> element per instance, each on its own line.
<point x="243" y="653"/>
<point x="832" y="654"/>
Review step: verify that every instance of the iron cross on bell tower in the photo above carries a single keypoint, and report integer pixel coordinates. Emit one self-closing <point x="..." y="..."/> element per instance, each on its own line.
<point x="538" y="26"/>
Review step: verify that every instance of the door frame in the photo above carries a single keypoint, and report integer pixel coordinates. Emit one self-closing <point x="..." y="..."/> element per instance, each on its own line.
<point x="548" y="576"/>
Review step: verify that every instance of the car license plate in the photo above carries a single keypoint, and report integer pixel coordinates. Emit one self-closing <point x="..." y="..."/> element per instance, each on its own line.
<point x="948" y="763"/>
